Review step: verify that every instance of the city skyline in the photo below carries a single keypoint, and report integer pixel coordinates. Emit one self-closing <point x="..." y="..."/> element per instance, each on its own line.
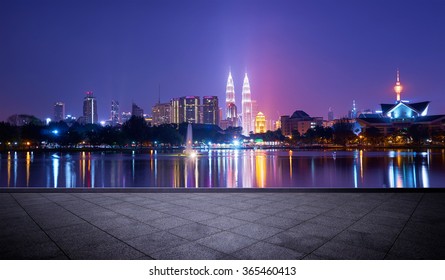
<point x="333" y="52"/>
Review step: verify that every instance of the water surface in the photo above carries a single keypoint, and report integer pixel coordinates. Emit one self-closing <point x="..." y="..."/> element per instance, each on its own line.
<point x="225" y="169"/>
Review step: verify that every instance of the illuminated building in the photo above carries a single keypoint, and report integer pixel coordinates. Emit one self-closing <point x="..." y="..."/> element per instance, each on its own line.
<point x="352" y="114"/>
<point x="89" y="108"/>
<point x="231" y="110"/>
<point x="299" y="121"/>
<point x="137" y="111"/>
<point x="330" y="114"/>
<point x="401" y="115"/>
<point x="260" y="123"/>
<point x="114" y="118"/>
<point x="246" y="115"/>
<point x="185" y="109"/>
<point x="161" y="113"/>
<point x="125" y="116"/>
<point x="59" y="111"/>
<point x="210" y="110"/>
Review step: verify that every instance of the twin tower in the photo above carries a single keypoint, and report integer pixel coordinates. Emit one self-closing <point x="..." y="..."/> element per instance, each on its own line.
<point x="245" y="118"/>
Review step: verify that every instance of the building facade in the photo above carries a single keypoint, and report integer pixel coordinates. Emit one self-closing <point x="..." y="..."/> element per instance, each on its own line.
<point x="246" y="115"/>
<point x="59" y="111"/>
<point x="137" y="111"/>
<point x="260" y="123"/>
<point x="89" y="108"/>
<point x="299" y="121"/>
<point x="210" y="110"/>
<point x="185" y="109"/>
<point x="401" y="115"/>
<point x="231" y="109"/>
<point x="114" y="113"/>
<point x="161" y="113"/>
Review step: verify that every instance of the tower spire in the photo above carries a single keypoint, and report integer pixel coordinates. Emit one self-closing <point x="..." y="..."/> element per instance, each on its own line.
<point x="398" y="88"/>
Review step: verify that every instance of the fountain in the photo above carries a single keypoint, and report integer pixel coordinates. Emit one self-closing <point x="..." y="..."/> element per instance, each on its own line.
<point x="189" y="142"/>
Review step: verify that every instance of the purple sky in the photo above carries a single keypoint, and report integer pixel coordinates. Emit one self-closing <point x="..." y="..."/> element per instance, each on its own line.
<point x="308" y="55"/>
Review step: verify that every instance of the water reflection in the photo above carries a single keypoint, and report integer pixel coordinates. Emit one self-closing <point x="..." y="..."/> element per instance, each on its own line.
<point x="225" y="168"/>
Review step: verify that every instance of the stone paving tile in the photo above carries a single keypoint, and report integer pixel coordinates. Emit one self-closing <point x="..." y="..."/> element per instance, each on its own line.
<point x="352" y="214"/>
<point x="226" y="242"/>
<point x="147" y="215"/>
<point x="247" y="215"/>
<point x="384" y="220"/>
<point x="55" y="220"/>
<point x="278" y="222"/>
<point x="21" y="240"/>
<point x="241" y="205"/>
<point x="195" y="215"/>
<point x="193" y="231"/>
<point x="309" y="209"/>
<point x="266" y="251"/>
<point x="168" y="222"/>
<point x="412" y="249"/>
<point x="189" y="251"/>
<point x="340" y="223"/>
<point x="256" y="231"/>
<point x="298" y="241"/>
<point x="297" y="215"/>
<point x="135" y="230"/>
<point x="363" y="226"/>
<point x="155" y="242"/>
<point x="268" y="209"/>
<point x="38" y="251"/>
<point x="377" y="242"/>
<point x="116" y="222"/>
<point x="75" y="237"/>
<point x="106" y="251"/>
<point x="318" y="230"/>
<point x="337" y="250"/>
<point x="223" y="223"/>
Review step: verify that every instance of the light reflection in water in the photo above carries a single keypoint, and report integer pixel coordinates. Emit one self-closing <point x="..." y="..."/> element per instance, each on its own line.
<point x="225" y="168"/>
<point x="260" y="166"/>
<point x="55" y="170"/>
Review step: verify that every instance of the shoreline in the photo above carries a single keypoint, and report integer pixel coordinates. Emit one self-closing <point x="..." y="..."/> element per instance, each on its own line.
<point x="175" y="149"/>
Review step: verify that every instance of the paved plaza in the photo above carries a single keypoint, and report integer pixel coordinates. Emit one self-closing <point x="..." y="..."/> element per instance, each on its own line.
<point x="222" y="225"/>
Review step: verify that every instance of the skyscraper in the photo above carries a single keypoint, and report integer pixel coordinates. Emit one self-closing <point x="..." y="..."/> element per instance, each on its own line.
<point x="260" y="123"/>
<point x="185" y="109"/>
<point x="352" y="114"/>
<point x="161" y="113"/>
<point x="137" y="111"/>
<point x="210" y="110"/>
<point x="330" y="114"/>
<point x="231" y="110"/>
<point x="90" y="108"/>
<point x="59" y="111"/>
<point x="115" y="117"/>
<point x="247" y="120"/>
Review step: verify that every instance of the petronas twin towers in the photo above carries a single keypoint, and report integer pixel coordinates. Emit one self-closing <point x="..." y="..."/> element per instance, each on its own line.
<point x="246" y="117"/>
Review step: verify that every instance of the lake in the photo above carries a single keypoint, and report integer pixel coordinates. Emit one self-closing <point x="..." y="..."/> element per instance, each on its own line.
<point x="225" y="169"/>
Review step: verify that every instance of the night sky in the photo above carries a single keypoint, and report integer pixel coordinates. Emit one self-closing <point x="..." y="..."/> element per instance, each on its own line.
<point x="308" y="55"/>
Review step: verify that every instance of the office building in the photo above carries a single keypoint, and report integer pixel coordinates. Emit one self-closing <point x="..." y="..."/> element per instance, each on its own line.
<point x="89" y="108"/>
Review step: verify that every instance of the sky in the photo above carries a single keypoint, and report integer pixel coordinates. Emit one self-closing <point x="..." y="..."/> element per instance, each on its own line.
<point x="299" y="55"/>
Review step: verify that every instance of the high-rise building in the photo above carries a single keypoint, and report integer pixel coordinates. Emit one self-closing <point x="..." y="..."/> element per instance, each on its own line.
<point x="247" y="120"/>
<point x="352" y="114"/>
<point x="231" y="110"/>
<point x="210" y="110"/>
<point x="161" y="113"/>
<point x="137" y="111"/>
<point x="260" y="123"/>
<point x="59" y="111"/>
<point x="125" y="116"/>
<point x="185" y="109"/>
<point x="330" y="114"/>
<point x="115" y="117"/>
<point x="89" y="108"/>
